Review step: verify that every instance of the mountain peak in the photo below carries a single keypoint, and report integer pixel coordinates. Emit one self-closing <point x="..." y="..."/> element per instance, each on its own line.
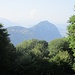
<point x="44" y="23"/>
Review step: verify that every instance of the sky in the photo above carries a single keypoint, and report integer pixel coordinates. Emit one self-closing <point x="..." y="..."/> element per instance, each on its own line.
<point x="30" y="12"/>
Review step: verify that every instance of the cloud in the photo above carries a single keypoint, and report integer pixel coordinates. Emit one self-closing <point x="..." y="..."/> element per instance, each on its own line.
<point x="32" y="13"/>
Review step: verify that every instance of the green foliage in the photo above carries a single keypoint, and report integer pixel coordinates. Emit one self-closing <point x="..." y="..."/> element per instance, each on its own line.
<point x="58" y="45"/>
<point x="36" y="47"/>
<point x="7" y="52"/>
<point x="41" y="49"/>
<point x="72" y="19"/>
<point x="71" y="35"/>
<point x="62" y="56"/>
<point x="71" y="32"/>
<point x="35" y="57"/>
<point x="4" y="40"/>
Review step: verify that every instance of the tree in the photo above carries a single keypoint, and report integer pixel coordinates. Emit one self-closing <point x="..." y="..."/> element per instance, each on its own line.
<point x="61" y="54"/>
<point x="36" y="47"/>
<point x="7" y="51"/>
<point x="71" y="33"/>
<point x="32" y="56"/>
<point x="41" y="49"/>
<point x="58" y="45"/>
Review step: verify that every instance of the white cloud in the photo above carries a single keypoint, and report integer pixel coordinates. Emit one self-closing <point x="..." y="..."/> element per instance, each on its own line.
<point x="32" y="13"/>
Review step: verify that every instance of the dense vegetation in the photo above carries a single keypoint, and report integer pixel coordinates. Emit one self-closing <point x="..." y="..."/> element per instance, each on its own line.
<point x="38" y="57"/>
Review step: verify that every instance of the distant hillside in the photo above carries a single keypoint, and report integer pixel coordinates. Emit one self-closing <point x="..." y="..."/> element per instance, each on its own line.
<point x="42" y="31"/>
<point x="7" y="23"/>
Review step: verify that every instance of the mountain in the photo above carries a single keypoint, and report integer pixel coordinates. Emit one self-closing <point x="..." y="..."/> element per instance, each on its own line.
<point x="7" y="23"/>
<point x="42" y="31"/>
<point x="45" y="30"/>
